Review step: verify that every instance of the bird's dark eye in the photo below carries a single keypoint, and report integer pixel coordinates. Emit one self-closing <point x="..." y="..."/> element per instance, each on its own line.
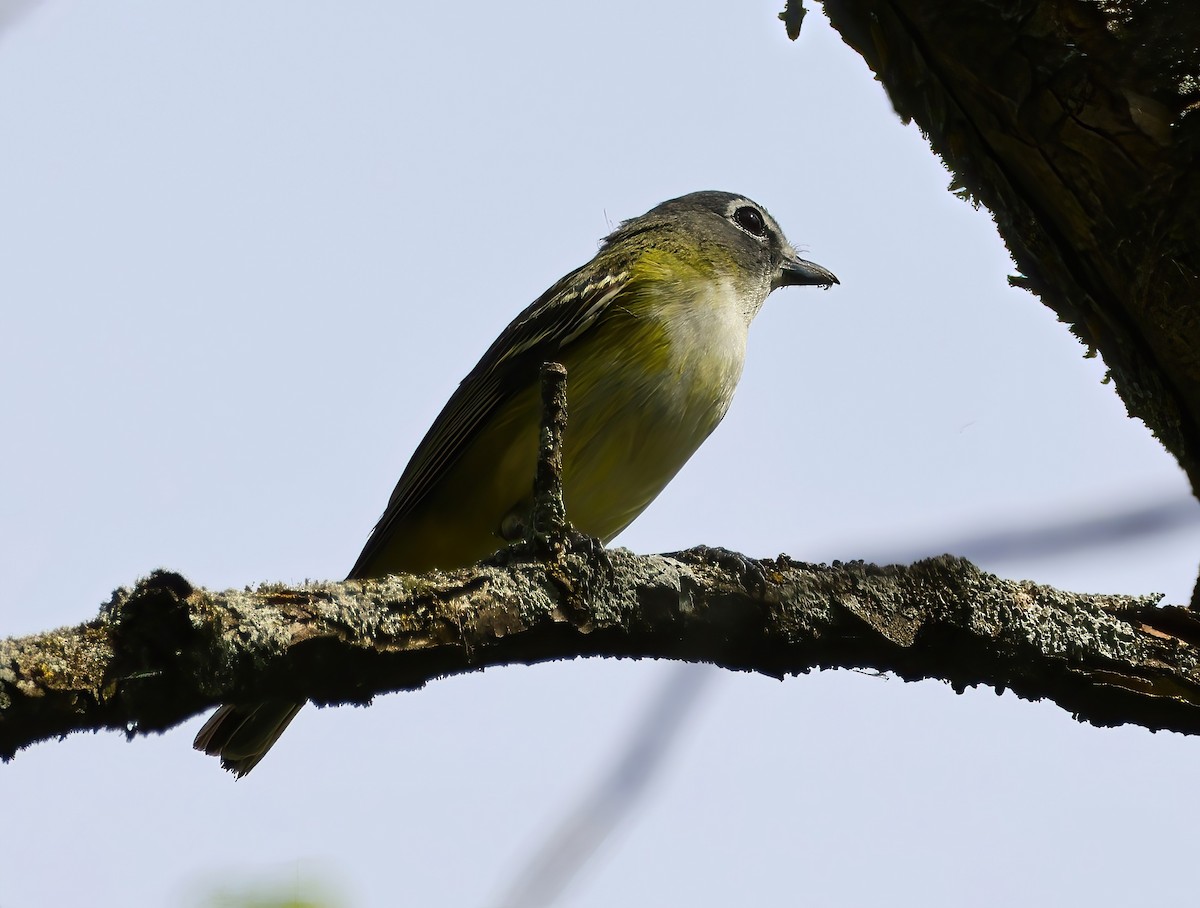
<point x="750" y="220"/>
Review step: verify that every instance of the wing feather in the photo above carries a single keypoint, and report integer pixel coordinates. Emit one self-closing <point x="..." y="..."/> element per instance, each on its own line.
<point x="554" y="320"/>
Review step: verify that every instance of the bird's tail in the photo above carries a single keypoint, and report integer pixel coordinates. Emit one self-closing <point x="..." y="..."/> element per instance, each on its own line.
<point x="242" y="735"/>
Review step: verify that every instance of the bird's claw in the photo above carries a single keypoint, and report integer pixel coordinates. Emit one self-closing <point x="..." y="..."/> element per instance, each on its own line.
<point x="555" y="547"/>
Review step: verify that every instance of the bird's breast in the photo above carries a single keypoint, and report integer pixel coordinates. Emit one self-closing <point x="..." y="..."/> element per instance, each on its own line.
<point x="643" y="394"/>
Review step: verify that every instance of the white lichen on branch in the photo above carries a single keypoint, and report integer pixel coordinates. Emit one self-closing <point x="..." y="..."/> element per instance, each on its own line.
<point x="164" y="651"/>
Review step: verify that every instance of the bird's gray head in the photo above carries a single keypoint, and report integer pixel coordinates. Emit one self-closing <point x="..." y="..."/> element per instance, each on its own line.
<point x="730" y="229"/>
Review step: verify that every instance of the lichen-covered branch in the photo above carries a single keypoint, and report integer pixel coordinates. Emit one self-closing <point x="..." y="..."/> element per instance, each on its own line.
<point x="164" y="651"/>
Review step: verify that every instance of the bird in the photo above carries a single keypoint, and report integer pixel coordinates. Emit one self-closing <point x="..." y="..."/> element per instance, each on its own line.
<point x="652" y="332"/>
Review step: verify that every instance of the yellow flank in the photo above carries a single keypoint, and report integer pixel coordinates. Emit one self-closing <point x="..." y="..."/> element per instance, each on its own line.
<point x="645" y="386"/>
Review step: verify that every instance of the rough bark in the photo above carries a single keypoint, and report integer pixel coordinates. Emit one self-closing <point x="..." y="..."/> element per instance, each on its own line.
<point x="1077" y="124"/>
<point x="164" y="651"/>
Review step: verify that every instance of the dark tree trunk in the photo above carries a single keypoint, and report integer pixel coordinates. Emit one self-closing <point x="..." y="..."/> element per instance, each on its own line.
<point x="1076" y="123"/>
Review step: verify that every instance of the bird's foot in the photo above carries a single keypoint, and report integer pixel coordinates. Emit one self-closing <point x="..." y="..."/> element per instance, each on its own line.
<point x="749" y="571"/>
<point x="555" y="546"/>
<point x="590" y="548"/>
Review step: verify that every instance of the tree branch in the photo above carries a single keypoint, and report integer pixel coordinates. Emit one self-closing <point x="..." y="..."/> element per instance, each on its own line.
<point x="164" y="651"/>
<point x="1077" y="123"/>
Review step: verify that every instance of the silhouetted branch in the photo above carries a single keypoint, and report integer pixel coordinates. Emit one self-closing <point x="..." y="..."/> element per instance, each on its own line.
<point x="1077" y="123"/>
<point x="164" y="651"/>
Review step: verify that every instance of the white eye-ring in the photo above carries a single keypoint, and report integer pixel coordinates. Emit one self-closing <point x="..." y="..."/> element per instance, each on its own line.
<point x="751" y="220"/>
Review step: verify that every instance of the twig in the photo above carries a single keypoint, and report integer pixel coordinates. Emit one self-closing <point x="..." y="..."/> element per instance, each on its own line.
<point x="549" y="521"/>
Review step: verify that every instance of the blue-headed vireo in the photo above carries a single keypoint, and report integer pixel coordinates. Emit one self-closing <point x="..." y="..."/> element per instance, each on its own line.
<point x="652" y="332"/>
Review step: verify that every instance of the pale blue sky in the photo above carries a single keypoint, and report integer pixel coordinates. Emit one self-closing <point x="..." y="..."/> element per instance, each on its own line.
<point x="249" y="249"/>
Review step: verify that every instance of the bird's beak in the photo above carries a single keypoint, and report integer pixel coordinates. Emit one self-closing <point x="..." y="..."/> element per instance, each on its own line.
<point x="796" y="272"/>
